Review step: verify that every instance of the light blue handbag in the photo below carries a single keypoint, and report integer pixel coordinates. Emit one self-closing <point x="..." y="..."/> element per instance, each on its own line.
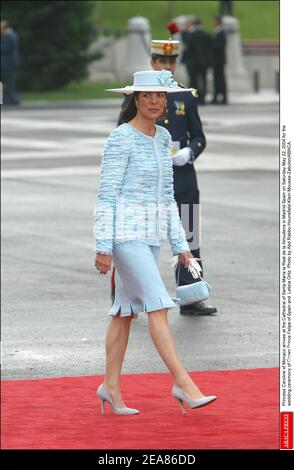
<point x="191" y="293"/>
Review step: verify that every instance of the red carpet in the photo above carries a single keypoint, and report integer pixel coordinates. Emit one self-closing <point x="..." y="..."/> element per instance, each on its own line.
<point x="63" y="413"/>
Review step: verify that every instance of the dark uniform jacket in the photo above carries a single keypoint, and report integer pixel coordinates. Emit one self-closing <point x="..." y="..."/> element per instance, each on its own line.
<point x="10" y="56"/>
<point x="219" y="46"/>
<point x="184" y="125"/>
<point x="198" y="50"/>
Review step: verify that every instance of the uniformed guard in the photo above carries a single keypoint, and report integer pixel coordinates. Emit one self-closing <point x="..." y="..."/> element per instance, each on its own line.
<point x="183" y="122"/>
<point x="10" y="59"/>
<point x="219" y="60"/>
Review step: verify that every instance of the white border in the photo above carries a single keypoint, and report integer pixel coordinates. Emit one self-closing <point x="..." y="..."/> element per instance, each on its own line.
<point x="286" y="254"/>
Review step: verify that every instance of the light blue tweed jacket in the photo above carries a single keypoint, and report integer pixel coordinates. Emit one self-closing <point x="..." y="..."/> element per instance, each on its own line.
<point x="135" y="199"/>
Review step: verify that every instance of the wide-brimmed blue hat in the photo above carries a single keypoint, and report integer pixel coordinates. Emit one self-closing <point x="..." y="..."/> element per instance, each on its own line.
<point x="152" y="80"/>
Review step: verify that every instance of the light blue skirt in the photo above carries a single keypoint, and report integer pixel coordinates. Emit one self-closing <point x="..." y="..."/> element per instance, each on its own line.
<point x="138" y="284"/>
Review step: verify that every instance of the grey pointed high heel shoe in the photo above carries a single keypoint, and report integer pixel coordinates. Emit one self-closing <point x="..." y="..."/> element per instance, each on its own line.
<point x="103" y="396"/>
<point x="180" y="395"/>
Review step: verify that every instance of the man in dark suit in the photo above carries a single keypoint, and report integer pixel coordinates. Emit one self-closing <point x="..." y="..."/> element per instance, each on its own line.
<point x="197" y="56"/>
<point x="183" y="122"/>
<point x="219" y="60"/>
<point x="10" y="59"/>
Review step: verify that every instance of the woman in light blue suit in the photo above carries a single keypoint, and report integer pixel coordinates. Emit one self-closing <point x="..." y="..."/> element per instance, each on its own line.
<point x="135" y="212"/>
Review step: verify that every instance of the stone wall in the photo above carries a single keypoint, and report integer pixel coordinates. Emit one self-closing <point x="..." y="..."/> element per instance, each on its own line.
<point x="248" y="61"/>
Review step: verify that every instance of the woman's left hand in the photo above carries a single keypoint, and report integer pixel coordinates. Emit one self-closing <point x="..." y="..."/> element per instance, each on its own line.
<point x="184" y="258"/>
<point x="103" y="263"/>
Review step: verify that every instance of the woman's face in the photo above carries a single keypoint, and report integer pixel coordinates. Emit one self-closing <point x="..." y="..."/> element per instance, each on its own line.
<point x="151" y="104"/>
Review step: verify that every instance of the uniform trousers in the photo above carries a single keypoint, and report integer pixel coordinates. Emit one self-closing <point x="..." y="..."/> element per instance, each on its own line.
<point x="198" y="80"/>
<point x="189" y="199"/>
<point x="219" y="82"/>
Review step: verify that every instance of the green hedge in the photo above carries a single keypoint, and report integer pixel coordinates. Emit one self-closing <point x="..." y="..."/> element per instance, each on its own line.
<point x="259" y="19"/>
<point x="54" y="40"/>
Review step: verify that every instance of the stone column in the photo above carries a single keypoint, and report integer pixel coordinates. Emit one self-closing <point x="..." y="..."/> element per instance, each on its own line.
<point x="236" y="75"/>
<point x="138" y="46"/>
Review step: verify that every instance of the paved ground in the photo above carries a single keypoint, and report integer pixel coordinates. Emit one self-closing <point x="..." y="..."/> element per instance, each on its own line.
<point x="54" y="303"/>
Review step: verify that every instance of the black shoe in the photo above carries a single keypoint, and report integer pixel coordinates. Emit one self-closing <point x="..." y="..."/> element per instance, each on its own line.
<point x="199" y="308"/>
<point x="218" y="102"/>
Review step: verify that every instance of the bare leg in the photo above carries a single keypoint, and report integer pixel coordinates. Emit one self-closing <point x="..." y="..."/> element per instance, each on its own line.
<point x="164" y="343"/>
<point x="116" y="344"/>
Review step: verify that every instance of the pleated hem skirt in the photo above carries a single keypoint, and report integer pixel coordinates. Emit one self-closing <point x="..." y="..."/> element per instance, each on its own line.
<point x="138" y="284"/>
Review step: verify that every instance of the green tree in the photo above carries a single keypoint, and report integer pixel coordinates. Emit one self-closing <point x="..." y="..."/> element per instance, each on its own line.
<point x="54" y="41"/>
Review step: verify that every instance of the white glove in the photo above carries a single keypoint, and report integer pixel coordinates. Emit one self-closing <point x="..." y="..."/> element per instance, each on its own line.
<point x="194" y="267"/>
<point x="182" y="157"/>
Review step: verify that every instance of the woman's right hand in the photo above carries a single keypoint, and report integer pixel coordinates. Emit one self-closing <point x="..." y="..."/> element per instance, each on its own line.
<point x="184" y="258"/>
<point x="103" y="263"/>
